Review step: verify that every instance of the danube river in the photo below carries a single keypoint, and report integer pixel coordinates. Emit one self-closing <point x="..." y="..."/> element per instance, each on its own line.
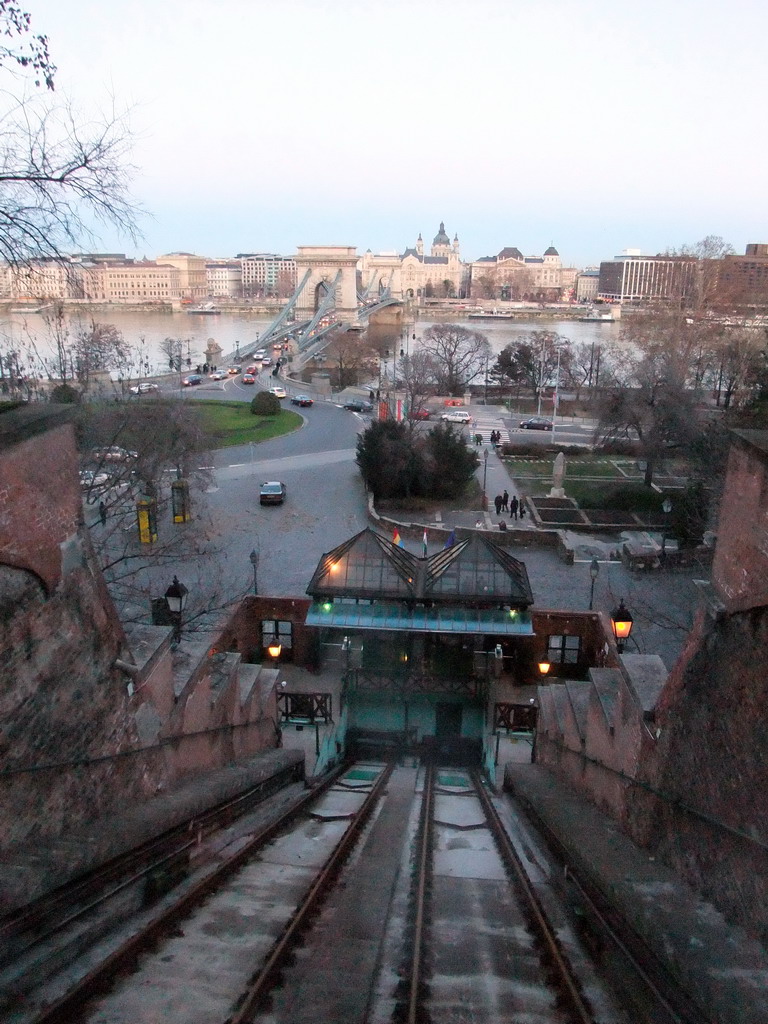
<point x="30" y="336"/>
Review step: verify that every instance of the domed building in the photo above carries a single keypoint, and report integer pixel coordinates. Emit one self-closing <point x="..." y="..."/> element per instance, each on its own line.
<point x="412" y="275"/>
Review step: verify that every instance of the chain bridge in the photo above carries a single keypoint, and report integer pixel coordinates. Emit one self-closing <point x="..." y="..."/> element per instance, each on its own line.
<point x="326" y="297"/>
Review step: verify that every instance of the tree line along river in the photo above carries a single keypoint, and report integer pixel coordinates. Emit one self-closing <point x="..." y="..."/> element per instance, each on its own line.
<point x="27" y="333"/>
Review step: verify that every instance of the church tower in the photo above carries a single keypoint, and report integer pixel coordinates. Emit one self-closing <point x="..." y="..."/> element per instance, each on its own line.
<point x="419" y="245"/>
<point x="441" y="243"/>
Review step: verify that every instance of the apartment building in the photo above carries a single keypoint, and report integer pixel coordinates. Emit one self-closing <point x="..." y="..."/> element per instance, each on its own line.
<point x="225" y="279"/>
<point x="511" y="275"/>
<point x="632" y="277"/>
<point x="267" y="274"/>
<point x="193" y="281"/>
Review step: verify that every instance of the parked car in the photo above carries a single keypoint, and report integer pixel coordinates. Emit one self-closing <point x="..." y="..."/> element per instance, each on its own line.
<point x="192" y="380"/>
<point x="303" y="400"/>
<point x="144" y="387"/>
<point x="456" y="416"/>
<point x="419" y="414"/>
<point x="536" y="423"/>
<point x="272" y="493"/>
<point x="112" y="454"/>
<point x="217" y="375"/>
<point x="278" y="392"/>
<point x="358" y="405"/>
<point x="91" y="480"/>
<point x="248" y="378"/>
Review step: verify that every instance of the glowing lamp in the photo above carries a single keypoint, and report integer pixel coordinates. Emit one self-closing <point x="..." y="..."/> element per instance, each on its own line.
<point x="621" y="624"/>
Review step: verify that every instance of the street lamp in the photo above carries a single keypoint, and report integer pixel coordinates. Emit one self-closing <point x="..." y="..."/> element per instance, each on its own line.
<point x="544" y="667"/>
<point x="176" y="599"/>
<point x="485" y="477"/>
<point x="274" y="650"/>
<point x="594" y="569"/>
<point x="621" y="624"/>
<point x="666" y="508"/>
<point x="254" y="558"/>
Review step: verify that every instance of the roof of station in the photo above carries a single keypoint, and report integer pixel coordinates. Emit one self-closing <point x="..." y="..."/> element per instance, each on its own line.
<point x="472" y="572"/>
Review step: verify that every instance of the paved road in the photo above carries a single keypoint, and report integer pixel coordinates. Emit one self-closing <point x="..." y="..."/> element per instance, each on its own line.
<point x="326" y="505"/>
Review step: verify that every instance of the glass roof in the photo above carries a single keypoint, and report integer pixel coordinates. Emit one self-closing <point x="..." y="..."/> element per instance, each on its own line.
<point x="368" y="566"/>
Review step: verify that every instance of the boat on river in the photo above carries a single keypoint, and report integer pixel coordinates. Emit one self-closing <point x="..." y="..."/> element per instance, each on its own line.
<point x="207" y="310"/>
<point x="491" y="314"/>
<point x="594" y="316"/>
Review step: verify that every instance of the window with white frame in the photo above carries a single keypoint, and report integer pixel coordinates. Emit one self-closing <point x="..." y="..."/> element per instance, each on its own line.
<point x="563" y="650"/>
<point x="276" y="631"/>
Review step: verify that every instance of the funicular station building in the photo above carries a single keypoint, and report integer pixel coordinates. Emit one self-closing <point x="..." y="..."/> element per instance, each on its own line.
<point x="436" y="655"/>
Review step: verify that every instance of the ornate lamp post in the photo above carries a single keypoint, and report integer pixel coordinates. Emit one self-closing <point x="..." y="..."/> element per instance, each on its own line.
<point x="544" y="667"/>
<point x="254" y="559"/>
<point x="176" y="598"/>
<point x="621" y="624"/>
<point x="594" y="569"/>
<point x="666" y="508"/>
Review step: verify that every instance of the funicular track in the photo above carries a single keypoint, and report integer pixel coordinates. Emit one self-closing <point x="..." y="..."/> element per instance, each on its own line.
<point x="509" y="965"/>
<point x="399" y="898"/>
<point x="145" y="941"/>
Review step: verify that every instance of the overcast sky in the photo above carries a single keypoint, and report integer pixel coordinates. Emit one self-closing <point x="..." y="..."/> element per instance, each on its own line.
<point x="593" y="125"/>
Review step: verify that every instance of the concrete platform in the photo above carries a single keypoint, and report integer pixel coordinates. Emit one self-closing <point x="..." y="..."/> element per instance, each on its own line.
<point x="716" y="963"/>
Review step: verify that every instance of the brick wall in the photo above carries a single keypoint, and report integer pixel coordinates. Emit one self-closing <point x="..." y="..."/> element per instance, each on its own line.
<point x="740" y="568"/>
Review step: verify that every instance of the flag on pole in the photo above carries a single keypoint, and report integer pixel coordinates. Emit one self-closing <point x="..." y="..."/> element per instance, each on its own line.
<point x="424" y="543"/>
<point x="396" y="538"/>
<point x="451" y="540"/>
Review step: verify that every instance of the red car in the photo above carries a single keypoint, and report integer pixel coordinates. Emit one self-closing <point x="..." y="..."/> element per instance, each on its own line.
<point x="248" y="378"/>
<point x="419" y="414"/>
<point x="252" y="369"/>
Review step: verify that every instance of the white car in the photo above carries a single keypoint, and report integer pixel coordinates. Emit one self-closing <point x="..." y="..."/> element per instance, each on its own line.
<point x="456" y="416"/>
<point x="144" y="387"/>
<point x="259" y="353"/>
<point x="278" y="392"/>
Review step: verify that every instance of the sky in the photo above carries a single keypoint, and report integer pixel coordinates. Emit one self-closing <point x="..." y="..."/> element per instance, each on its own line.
<point x="593" y="125"/>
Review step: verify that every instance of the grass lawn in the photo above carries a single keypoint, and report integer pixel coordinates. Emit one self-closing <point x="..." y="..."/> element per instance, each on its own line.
<point x="233" y="423"/>
<point x="602" y="468"/>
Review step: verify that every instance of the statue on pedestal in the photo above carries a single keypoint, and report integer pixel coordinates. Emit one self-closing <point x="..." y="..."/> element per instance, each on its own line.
<point x="558" y="476"/>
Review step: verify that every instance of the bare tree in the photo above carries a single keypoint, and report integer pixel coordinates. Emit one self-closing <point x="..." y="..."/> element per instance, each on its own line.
<point x="460" y="355"/>
<point x="31" y="52"/>
<point x="353" y="357"/>
<point x="60" y="175"/>
<point x="417" y="375"/>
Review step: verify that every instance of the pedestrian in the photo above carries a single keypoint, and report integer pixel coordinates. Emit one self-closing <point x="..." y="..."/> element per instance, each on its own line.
<point x="522" y="508"/>
<point x="478" y="440"/>
<point x="497" y="503"/>
<point x="513" y="505"/>
<point x="103" y="513"/>
<point x="502" y="525"/>
<point x="505" y="500"/>
<point x="496" y="438"/>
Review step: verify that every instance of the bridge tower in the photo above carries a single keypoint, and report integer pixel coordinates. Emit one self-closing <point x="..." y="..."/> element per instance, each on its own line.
<point x="325" y="262"/>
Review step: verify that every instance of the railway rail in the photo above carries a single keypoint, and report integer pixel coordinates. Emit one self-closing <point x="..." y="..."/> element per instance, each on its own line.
<point x="398" y="894"/>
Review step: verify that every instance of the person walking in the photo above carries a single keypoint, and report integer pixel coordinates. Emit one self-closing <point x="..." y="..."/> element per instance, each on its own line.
<point x="478" y="440"/>
<point x="505" y="500"/>
<point x="497" y="503"/>
<point x="513" y="505"/>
